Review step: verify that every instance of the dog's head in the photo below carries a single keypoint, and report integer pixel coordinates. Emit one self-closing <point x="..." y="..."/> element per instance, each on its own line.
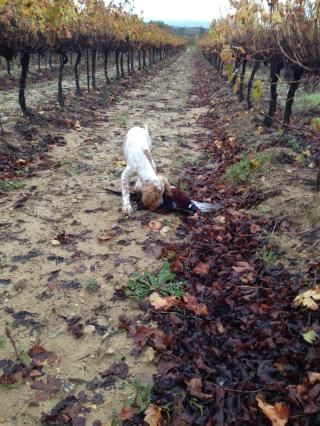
<point x="152" y="193"/>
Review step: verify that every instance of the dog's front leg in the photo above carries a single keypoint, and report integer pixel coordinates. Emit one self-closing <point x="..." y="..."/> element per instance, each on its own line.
<point x="125" y="187"/>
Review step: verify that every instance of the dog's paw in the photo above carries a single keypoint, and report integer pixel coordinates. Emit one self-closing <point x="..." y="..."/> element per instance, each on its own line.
<point x="127" y="210"/>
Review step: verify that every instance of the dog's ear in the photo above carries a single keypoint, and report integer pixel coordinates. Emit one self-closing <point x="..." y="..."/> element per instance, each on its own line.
<point x="167" y="186"/>
<point x="151" y="197"/>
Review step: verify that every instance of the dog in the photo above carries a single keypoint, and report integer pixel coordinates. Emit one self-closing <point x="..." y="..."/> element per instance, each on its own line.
<point x="137" y="152"/>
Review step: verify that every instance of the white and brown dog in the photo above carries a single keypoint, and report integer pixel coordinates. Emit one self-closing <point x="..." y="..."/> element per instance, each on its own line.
<point x="137" y="152"/>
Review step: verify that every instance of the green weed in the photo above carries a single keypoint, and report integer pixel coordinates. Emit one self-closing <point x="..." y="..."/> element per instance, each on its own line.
<point x="10" y="185"/>
<point x="114" y="421"/>
<point x="243" y="170"/>
<point x="268" y="256"/>
<point x="307" y="102"/>
<point x="315" y="123"/>
<point x="164" y="283"/>
<point x="294" y="144"/>
<point x="123" y="121"/>
<point x="12" y="386"/>
<point x="25" y="358"/>
<point x="179" y="163"/>
<point x="91" y="285"/>
<point x="143" y="394"/>
<point x="195" y="404"/>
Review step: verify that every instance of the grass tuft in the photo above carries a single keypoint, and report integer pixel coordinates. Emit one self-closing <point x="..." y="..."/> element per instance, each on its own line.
<point x="269" y="257"/>
<point x="91" y="285"/>
<point x="307" y="102"/>
<point x="164" y="283"/>
<point x="143" y="394"/>
<point x="243" y="170"/>
<point x="10" y="185"/>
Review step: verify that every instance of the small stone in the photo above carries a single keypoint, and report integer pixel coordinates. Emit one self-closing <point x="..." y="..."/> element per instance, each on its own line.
<point x="55" y="242"/>
<point x="89" y="329"/>
<point x="165" y="230"/>
<point x="103" y="321"/>
<point x="220" y="220"/>
<point x="110" y="351"/>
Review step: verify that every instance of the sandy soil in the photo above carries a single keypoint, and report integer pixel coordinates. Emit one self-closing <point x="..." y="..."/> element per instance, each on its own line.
<point x="50" y="281"/>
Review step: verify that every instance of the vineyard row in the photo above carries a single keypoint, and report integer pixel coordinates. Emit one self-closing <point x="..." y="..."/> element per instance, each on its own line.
<point x="89" y="29"/>
<point x="282" y="35"/>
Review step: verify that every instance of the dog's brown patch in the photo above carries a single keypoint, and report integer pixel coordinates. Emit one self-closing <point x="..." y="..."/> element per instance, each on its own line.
<point x="151" y="197"/>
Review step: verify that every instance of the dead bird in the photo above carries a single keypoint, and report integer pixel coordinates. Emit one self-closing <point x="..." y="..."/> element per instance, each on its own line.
<point x="178" y="200"/>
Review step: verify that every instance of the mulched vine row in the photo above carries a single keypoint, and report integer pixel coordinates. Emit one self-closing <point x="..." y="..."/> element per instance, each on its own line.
<point x="248" y="344"/>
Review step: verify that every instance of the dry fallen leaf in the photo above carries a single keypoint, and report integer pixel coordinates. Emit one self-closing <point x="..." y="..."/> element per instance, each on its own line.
<point x="254" y="228"/>
<point x="218" y="143"/>
<point x="201" y="268"/>
<point x="153" y="416"/>
<point x="159" y="302"/>
<point x="126" y="413"/>
<point x="220" y="220"/>
<point x="242" y="267"/>
<point x="106" y="236"/>
<point x="154" y="225"/>
<point x="41" y="357"/>
<point x="195" y="388"/>
<point x="278" y="413"/>
<point x="21" y="161"/>
<point x="310" y="336"/>
<point x="119" y="163"/>
<point x="313" y="377"/>
<point x="254" y="163"/>
<point x="308" y="298"/>
<point x="68" y="122"/>
<point x="192" y="304"/>
<point x="77" y="125"/>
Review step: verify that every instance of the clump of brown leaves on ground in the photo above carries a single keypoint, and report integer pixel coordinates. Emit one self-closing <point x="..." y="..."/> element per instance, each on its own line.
<point x="231" y="351"/>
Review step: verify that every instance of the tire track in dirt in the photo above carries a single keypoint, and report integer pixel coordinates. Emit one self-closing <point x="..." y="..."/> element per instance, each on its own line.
<point x="71" y="198"/>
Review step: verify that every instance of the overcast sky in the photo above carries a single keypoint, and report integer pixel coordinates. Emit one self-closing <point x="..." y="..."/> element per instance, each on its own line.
<point x="185" y="10"/>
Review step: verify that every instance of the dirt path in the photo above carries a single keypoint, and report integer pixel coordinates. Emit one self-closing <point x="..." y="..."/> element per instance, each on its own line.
<point x="50" y="281"/>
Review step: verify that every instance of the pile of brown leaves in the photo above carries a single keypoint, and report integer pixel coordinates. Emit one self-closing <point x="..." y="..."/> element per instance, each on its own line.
<point x="231" y="351"/>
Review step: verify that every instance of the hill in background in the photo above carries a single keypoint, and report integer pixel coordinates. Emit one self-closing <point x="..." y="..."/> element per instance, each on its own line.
<point x="188" y="24"/>
<point x="187" y="29"/>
